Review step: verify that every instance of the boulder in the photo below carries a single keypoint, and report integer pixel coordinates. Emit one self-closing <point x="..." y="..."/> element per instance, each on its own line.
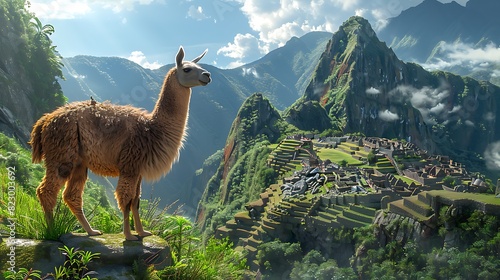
<point x="116" y="255"/>
<point x="41" y="255"/>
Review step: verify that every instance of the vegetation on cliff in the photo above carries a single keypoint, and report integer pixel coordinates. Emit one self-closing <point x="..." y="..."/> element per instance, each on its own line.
<point x="474" y="256"/>
<point x="243" y="173"/>
<point x="29" y="64"/>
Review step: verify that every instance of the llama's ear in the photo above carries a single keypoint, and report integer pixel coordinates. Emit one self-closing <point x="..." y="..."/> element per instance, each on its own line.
<point x="199" y="57"/>
<point x="179" y="57"/>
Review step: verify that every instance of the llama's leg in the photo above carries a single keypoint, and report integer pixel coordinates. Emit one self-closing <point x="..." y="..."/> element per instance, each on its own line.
<point x="125" y="194"/>
<point x="47" y="193"/>
<point x="135" y="212"/>
<point x="73" y="197"/>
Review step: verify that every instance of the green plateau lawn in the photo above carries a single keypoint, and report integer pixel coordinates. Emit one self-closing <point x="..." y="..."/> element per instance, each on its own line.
<point x="337" y="156"/>
<point x="480" y="197"/>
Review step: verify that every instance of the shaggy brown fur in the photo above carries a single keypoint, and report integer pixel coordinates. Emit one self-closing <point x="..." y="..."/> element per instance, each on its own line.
<point x="113" y="140"/>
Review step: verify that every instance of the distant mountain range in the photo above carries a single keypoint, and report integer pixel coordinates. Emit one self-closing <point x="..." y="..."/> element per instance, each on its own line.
<point x="446" y="36"/>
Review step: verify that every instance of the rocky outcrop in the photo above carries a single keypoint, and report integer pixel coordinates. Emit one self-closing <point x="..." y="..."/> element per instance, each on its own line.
<point x="116" y="255"/>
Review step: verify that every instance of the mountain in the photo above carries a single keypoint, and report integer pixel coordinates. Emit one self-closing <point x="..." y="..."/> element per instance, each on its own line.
<point x="281" y="76"/>
<point x="363" y="87"/>
<point x="358" y="86"/>
<point x="445" y="36"/>
<point x="242" y="172"/>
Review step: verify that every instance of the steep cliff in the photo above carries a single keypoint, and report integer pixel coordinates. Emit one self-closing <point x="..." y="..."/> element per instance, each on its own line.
<point x="29" y="68"/>
<point x="242" y="173"/>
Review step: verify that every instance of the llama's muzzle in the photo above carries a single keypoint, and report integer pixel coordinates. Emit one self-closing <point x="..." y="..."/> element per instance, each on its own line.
<point x="205" y="78"/>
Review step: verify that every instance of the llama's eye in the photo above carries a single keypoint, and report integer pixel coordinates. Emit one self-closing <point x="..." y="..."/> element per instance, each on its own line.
<point x="186" y="70"/>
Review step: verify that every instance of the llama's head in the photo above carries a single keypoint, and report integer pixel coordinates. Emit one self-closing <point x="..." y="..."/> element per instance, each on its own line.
<point x="189" y="73"/>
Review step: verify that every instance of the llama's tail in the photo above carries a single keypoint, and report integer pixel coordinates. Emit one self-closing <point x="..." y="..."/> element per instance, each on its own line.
<point x="36" y="141"/>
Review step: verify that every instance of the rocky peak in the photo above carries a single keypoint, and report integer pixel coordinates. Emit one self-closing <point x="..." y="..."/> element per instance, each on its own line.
<point x="364" y="87"/>
<point x="256" y="118"/>
<point x="354" y="80"/>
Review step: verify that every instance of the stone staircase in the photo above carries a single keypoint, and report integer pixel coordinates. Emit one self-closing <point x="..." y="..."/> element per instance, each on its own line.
<point x="332" y="215"/>
<point x="416" y="206"/>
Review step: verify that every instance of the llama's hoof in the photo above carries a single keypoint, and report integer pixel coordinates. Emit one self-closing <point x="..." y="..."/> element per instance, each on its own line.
<point x="145" y="233"/>
<point x="94" y="232"/>
<point x="132" y="238"/>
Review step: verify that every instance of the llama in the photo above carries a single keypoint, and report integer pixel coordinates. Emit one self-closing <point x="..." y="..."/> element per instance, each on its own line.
<point x="114" y="140"/>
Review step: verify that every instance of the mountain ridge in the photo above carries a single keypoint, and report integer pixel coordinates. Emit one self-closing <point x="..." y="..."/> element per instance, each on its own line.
<point x="359" y="71"/>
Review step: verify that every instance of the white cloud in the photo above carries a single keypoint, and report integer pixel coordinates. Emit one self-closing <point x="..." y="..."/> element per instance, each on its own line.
<point x="465" y="52"/>
<point x="243" y="45"/>
<point x="492" y="156"/>
<point x="275" y="22"/>
<point x="139" y="58"/>
<point x="469" y="123"/>
<point x="69" y="9"/>
<point x="461" y="54"/>
<point x="250" y="71"/>
<point x="388" y="116"/>
<point x="196" y="13"/>
<point x="60" y="9"/>
<point x="429" y="101"/>
<point x="372" y="91"/>
<point x="489" y="116"/>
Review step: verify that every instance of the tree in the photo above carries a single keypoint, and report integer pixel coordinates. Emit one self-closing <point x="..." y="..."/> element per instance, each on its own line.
<point x="371" y="157"/>
<point x="449" y="181"/>
<point x="277" y="257"/>
<point x="42" y="32"/>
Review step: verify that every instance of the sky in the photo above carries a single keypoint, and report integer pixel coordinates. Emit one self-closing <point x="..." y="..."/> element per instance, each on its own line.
<point x="235" y="32"/>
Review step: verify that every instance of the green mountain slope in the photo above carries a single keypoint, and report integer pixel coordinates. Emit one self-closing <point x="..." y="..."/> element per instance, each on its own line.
<point x="29" y="66"/>
<point x="358" y="86"/>
<point x="242" y="174"/>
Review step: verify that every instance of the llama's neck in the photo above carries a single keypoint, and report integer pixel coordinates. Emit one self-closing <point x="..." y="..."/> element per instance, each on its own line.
<point x="173" y="103"/>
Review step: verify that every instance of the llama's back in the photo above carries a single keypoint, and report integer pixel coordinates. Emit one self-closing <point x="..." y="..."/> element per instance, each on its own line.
<point x="55" y="137"/>
<point x="104" y="137"/>
<point x="96" y="133"/>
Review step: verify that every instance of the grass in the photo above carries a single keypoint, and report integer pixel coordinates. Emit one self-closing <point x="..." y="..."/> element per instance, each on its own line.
<point x="484" y="198"/>
<point x="337" y="156"/>
<point x="30" y="220"/>
<point x="272" y="146"/>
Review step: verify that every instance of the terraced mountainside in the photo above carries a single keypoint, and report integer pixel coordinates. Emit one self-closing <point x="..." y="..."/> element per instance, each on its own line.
<point x="349" y="197"/>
